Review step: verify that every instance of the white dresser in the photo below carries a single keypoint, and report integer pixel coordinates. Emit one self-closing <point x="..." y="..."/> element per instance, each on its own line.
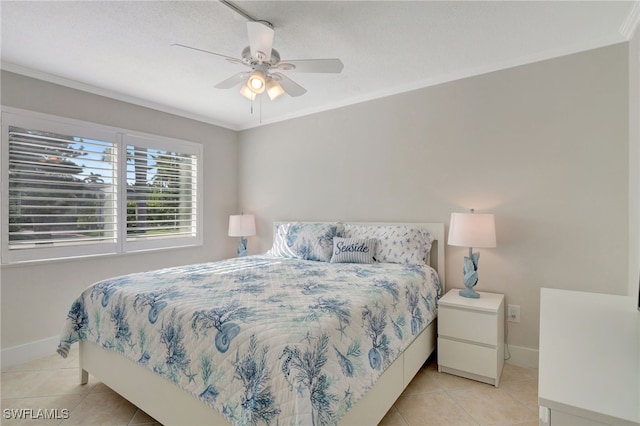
<point x="471" y="336"/>
<point x="589" y="372"/>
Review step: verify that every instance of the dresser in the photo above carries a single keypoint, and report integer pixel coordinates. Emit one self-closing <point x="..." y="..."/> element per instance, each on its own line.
<point x="471" y="336"/>
<point x="589" y="372"/>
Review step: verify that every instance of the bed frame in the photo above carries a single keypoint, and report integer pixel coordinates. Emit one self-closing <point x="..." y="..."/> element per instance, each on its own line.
<point x="171" y="405"/>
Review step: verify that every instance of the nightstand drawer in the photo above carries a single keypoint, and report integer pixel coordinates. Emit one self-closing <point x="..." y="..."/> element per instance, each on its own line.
<point x="473" y="359"/>
<point x="468" y="325"/>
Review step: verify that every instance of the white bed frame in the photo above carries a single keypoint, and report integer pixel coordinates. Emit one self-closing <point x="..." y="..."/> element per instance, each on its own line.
<point x="170" y="405"/>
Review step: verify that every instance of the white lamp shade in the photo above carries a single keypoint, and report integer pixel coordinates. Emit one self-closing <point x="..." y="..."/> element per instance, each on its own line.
<point x="472" y="230"/>
<point x="274" y="89"/>
<point x="242" y="225"/>
<point x="244" y="91"/>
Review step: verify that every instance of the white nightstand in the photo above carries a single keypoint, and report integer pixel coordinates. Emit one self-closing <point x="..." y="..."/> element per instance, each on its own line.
<point x="471" y="336"/>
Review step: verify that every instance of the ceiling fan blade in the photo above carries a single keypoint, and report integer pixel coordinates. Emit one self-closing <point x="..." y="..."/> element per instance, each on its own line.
<point x="312" y="65"/>
<point x="260" y="40"/>
<point x="291" y="87"/>
<point x="228" y="58"/>
<point x="232" y="81"/>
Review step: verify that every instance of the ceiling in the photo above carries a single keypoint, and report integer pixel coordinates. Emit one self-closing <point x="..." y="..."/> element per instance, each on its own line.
<point x="124" y="49"/>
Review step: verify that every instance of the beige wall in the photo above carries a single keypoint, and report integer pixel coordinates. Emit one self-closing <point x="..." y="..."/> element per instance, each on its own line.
<point x="543" y="146"/>
<point x="36" y="298"/>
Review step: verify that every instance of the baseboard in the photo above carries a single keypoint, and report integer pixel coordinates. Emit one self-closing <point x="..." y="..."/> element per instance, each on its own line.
<point x="522" y="357"/>
<point x="28" y="352"/>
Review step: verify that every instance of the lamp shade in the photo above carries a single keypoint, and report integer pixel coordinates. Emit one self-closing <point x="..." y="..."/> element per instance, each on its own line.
<point x="274" y="89"/>
<point x="247" y="93"/>
<point x="472" y="230"/>
<point x="242" y="225"/>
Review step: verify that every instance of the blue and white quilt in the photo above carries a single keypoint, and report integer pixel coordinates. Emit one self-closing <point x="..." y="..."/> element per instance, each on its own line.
<point x="262" y="339"/>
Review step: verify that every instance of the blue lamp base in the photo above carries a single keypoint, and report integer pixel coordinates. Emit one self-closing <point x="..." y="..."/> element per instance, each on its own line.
<point x="242" y="247"/>
<point x="470" y="293"/>
<point x="470" y="276"/>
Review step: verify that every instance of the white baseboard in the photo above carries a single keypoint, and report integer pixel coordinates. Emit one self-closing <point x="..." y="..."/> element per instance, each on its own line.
<point x="28" y="352"/>
<point x="523" y="357"/>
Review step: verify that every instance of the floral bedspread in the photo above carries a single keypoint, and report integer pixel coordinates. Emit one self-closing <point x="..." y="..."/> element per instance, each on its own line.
<point x="262" y="339"/>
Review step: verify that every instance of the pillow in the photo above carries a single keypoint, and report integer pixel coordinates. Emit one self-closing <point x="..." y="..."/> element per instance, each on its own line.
<point x="353" y="250"/>
<point x="395" y="243"/>
<point x="307" y="241"/>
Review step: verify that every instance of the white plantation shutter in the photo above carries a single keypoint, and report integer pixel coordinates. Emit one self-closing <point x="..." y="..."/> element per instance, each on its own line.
<point x="161" y="193"/>
<point x="71" y="188"/>
<point x="61" y="191"/>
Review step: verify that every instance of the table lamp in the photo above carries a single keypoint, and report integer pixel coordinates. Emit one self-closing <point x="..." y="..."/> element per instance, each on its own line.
<point x="472" y="230"/>
<point x="242" y="225"/>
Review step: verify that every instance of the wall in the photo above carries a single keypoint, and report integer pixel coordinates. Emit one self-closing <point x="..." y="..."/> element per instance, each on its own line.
<point x="543" y="146"/>
<point x="634" y="164"/>
<point x="36" y="298"/>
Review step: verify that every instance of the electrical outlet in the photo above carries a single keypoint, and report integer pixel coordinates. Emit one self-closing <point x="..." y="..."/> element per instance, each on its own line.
<point x="513" y="313"/>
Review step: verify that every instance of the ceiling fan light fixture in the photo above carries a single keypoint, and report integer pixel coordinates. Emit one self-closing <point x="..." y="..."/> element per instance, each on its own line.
<point x="247" y="93"/>
<point x="256" y="82"/>
<point x="274" y="90"/>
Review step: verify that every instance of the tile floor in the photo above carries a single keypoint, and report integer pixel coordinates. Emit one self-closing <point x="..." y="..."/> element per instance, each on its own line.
<point x="432" y="398"/>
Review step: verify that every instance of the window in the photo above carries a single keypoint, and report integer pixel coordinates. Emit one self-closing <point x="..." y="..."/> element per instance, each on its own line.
<point x="71" y="188"/>
<point x="161" y="201"/>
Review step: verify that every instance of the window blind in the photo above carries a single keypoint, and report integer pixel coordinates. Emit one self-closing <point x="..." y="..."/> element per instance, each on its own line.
<point x="70" y="188"/>
<point x="62" y="190"/>
<point x="161" y="193"/>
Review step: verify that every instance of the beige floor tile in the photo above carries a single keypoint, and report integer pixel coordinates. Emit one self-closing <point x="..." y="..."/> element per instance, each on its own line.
<point x="432" y="398"/>
<point x="524" y="391"/>
<point x="43" y="382"/>
<point x="434" y="408"/>
<point x="141" y="418"/>
<point x="101" y="387"/>
<point x="102" y="408"/>
<point x="493" y="406"/>
<point x="63" y="382"/>
<point x="424" y="381"/>
<point x="20" y="384"/>
<point x="514" y="373"/>
<point x="393" y="418"/>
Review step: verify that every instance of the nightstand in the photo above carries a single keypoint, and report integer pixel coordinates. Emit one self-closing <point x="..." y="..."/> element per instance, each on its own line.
<point x="471" y="336"/>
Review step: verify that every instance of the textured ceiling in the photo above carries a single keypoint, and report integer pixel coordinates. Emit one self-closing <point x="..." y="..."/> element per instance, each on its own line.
<point x="123" y="49"/>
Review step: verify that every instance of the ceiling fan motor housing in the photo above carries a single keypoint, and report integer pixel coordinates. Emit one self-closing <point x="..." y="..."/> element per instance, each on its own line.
<point x="254" y="62"/>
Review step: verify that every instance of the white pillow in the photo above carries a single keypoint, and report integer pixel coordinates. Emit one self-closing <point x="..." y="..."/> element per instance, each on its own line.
<point x="353" y="250"/>
<point x="308" y="241"/>
<point x="395" y="243"/>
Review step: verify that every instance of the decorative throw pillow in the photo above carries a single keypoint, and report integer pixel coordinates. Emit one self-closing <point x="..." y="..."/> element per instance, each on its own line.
<point x="308" y="241"/>
<point x="396" y="243"/>
<point x="353" y="250"/>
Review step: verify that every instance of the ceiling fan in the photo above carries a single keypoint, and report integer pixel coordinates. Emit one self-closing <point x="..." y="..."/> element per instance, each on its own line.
<point x="265" y="64"/>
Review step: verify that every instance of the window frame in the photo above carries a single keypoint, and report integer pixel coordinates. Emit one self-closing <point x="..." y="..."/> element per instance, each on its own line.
<point x="120" y="138"/>
<point x="156" y="142"/>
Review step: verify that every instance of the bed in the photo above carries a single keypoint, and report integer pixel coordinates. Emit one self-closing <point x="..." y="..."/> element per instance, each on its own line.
<point x="328" y="327"/>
